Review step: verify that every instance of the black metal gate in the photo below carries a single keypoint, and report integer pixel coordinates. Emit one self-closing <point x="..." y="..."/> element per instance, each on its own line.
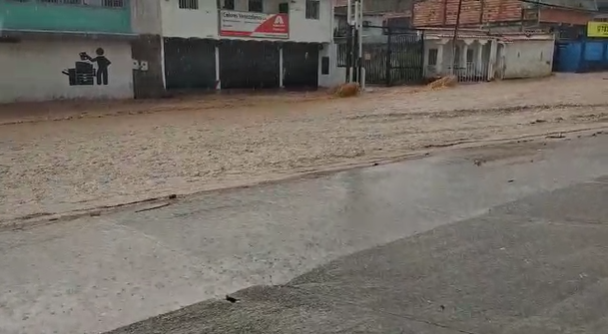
<point x="189" y="63"/>
<point x="393" y="56"/>
<point x="301" y="65"/>
<point x="249" y="64"/>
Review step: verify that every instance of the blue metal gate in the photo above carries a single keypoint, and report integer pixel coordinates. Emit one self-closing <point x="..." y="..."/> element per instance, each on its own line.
<point x="582" y="55"/>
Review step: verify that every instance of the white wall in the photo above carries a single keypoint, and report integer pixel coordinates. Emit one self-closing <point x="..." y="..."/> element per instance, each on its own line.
<point x="186" y="23"/>
<point x="432" y="71"/>
<point x="337" y="75"/>
<point x="203" y="22"/>
<point x="309" y="30"/>
<point x="32" y="70"/>
<point x="528" y="59"/>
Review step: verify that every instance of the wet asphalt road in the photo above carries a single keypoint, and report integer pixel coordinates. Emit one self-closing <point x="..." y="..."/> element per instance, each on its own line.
<point x="438" y="245"/>
<point x="535" y="266"/>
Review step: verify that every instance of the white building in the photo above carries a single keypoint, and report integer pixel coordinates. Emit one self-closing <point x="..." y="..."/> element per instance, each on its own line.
<point x="46" y="54"/>
<point x="209" y="44"/>
<point x="472" y="58"/>
<point x="141" y="48"/>
<point x="481" y="56"/>
<point x="524" y="56"/>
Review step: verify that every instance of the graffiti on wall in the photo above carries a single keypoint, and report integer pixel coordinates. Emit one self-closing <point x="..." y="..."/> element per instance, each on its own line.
<point x="85" y="73"/>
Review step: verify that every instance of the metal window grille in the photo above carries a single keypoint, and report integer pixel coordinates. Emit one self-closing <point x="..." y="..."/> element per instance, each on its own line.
<point x="113" y="3"/>
<point x="256" y="6"/>
<point x="228" y="4"/>
<point x="433" y="54"/>
<point x="312" y="9"/>
<point x="188" y="4"/>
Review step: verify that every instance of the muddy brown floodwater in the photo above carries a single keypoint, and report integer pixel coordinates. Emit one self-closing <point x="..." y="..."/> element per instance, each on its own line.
<point x="105" y="153"/>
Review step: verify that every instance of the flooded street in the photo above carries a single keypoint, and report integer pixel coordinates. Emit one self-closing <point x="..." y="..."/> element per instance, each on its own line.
<point x="107" y="153"/>
<point x="303" y="167"/>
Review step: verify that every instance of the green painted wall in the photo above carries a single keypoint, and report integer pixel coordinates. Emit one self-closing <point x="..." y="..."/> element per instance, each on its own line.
<point x="33" y="15"/>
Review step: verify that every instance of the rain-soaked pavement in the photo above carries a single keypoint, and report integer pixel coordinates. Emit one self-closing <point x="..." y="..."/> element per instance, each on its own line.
<point x="512" y="244"/>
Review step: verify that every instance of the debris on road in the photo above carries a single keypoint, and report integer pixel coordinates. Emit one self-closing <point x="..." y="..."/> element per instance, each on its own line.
<point x="479" y="162"/>
<point x="443" y="82"/>
<point x="231" y="299"/>
<point x="348" y="90"/>
<point x="153" y="207"/>
<point x="556" y="136"/>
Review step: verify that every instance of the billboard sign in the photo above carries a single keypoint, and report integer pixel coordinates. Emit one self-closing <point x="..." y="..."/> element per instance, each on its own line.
<point x="597" y="29"/>
<point x="255" y="25"/>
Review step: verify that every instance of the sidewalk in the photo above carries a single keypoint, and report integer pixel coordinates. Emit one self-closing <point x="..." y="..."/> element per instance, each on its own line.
<point x="118" y="152"/>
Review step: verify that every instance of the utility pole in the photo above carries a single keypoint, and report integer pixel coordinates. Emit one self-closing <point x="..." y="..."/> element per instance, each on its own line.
<point x="349" y="41"/>
<point x="354" y="14"/>
<point x="455" y="38"/>
<point x="361" y="70"/>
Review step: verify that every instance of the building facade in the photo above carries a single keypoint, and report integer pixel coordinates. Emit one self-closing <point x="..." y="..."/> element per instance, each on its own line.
<point x="381" y="6"/>
<point x="98" y="49"/>
<point x="472" y="57"/>
<point x="386" y="13"/>
<point x="562" y="16"/>
<point x="65" y="50"/>
<point x="232" y="44"/>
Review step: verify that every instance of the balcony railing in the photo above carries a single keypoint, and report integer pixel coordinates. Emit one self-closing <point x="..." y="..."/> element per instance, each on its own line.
<point x="92" y="3"/>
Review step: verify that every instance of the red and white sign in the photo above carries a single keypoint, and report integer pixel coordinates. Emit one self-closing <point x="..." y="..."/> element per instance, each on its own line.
<point x="248" y="24"/>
